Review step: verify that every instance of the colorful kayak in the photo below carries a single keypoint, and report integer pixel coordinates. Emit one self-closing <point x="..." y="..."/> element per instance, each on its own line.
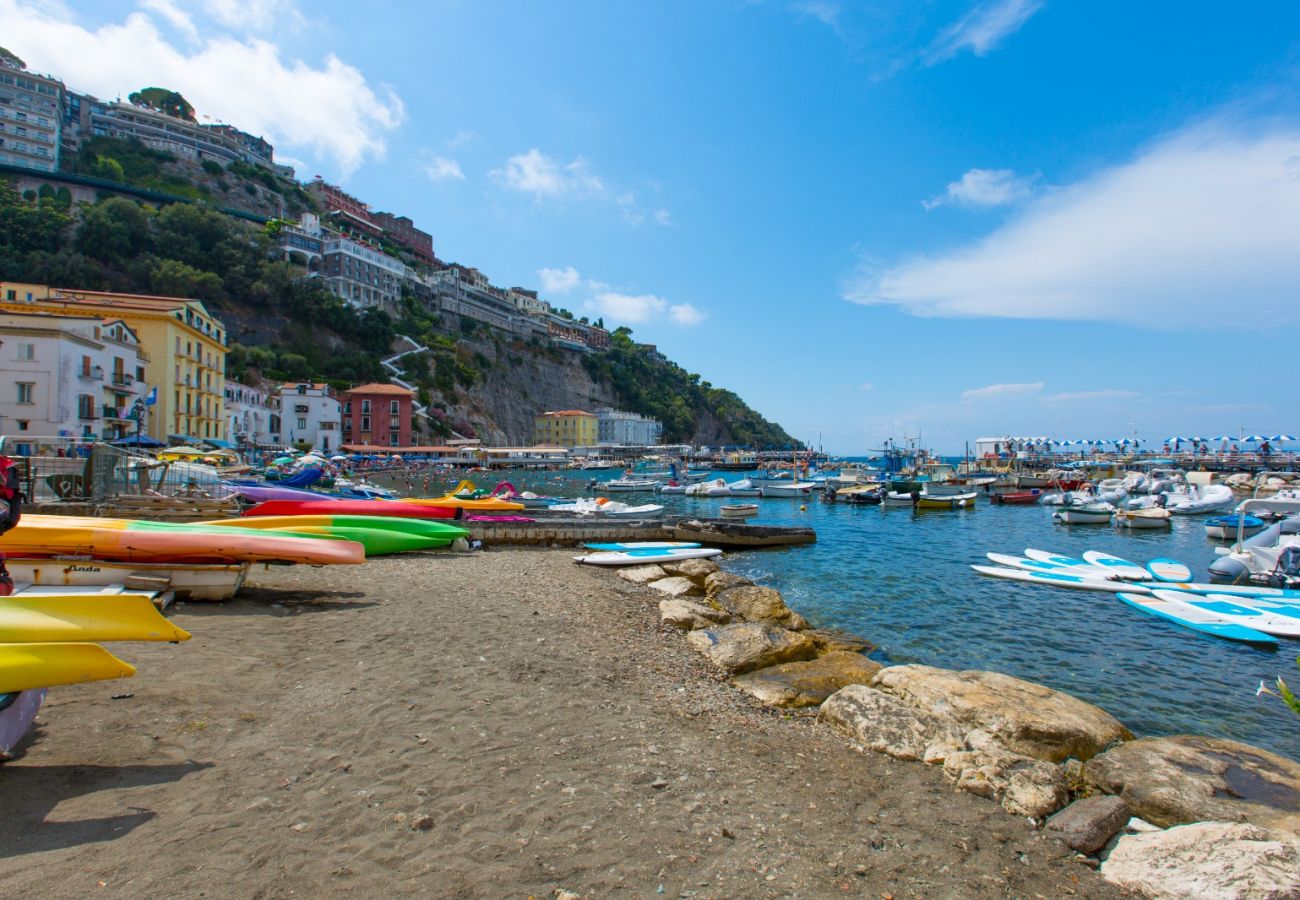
<point x="452" y="501"/>
<point x="423" y="527"/>
<point x="326" y="507"/>
<point x="24" y="667"/>
<point x="645" y="556"/>
<point x="1169" y="570"/>
<point x="44" y="618"/>
<point x="138" y="541"/>
<point x="1197" y="619"/>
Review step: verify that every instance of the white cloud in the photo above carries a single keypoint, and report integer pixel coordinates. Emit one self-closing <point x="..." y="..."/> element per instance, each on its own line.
<point x="1104" y="394"/>
<point x="461" y="139"/>
<point x="825" y="11"/>
<point x="440" y="168"/>
<point x="628" y="210"/>
<point x="178" y="18"/>
<point x="663" y="217"/>
<point x="984" y="187"/>
<point x="253" y="15"/>
<point x="329" y="109"/>
<point x="1178" y="237"/>
<point x="685" y="314"/>
<point x="559" y="281"/>
<point x="981" y="29"/>
<point x="1001" y="390"/>
<point x="866" y="386"/>
<point x="538" y="174"/>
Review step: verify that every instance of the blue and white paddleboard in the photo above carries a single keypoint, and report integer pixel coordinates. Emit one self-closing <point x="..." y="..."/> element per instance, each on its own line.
<point x="1056" y="579"/>
<point x="644" y="545"/>
<point x="1059" y="559"/>
<point x="1242" y="614"/>
<point x="1169" y="570"/>
<point x="1276" y="595"/>
<point x="643" y="557"/>
<point x="1174" y="610"/>
<point x="1034" y="565"/>
<point x="1121" y="567"/>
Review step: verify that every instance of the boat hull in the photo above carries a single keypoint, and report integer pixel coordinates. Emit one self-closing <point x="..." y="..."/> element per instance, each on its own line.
<point x="213" y="581"/>
<point x="16" y="718"/>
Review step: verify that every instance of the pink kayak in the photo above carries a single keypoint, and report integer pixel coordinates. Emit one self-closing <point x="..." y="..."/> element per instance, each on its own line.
<point x="396" y="508"/>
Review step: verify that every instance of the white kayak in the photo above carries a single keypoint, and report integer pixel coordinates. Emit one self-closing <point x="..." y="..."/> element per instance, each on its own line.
<point x="644" y="557"/>
<point x="1189" y="616"/>
<point x="1249" y="615"/>
<point x="1057" y="579"/>
<point x="1169" y="570"/>
<point x="1121" y="567"/>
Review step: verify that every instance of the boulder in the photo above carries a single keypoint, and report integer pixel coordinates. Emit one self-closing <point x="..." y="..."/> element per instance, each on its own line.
<point x="697" y="570"/>
<point x="1024" y="717"/>
<point x="831" y="640"/>
<point x="807" y="683"/>
<point x="642" y="574"/>
<point x="885" y="723"/>
<point x="1023" y="785"/>
<point x="719" y="581"/>
<point x="676" y="586"/>
<point x="744" y="647"/>
<point x="1182" y="779"/>
<point x="1210" y="860"/>
<point x="689" y="616"/>
<point x="760" y="604"/>
<point x="1086" y="825"/>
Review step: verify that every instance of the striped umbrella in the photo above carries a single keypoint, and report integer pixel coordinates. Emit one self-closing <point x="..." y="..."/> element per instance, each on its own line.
<point x="1224" y="438"/>
<point x="1282" y="437"/>
<point x="1255" y="439"/>
<point x="1175" y="440"/>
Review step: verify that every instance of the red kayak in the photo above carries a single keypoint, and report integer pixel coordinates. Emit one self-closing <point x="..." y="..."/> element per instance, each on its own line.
<point x="352" y="508"/>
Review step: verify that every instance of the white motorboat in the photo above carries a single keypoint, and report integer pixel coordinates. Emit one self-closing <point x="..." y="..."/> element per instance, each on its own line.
<point x="195" y="581"/>
<point x="630" y="485"/>
<point x="787" y="489"/>
<point x="715" y="488"/>
<point x="673" y="489"/>
<point x="1085" y="514"/>
<point x="1149" y="518"/>
<point x="900" y="498"/>
<point x="744" y="488"/>
<point x="603" y="507"/>
<point x="1197" y="500"/>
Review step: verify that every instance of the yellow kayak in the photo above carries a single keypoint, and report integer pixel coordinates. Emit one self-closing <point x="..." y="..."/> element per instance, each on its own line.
<point x="42" y="618"/>
<point x="24" y="667"/>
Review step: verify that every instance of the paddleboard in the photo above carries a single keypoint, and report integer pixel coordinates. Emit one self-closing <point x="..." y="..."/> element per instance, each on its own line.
<point x="1121" y="567"/>
<point x="1249" y="616"/>
<point x="644" y="545"/>
<point x="643" y="557"/>
<point x="1194" y="618"/>
<point x="30" y="618"/>
<point x="1169" y="570"/>
<point x="1034" y="565"/>
<point x="27" y="666"/>
<point x="1055" y="579"/>
<point x="1054" y="558"/>
<point x="1237" y="590"/>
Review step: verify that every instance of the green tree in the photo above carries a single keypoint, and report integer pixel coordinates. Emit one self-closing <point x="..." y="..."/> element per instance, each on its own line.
<point x="164" y="101"/>
<point x="114" y="231"/>
<point x="173" y="278"/>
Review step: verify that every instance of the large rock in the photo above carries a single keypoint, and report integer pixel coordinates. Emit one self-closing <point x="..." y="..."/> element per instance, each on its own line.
<point x="688" y="616"/>
<point x="676" y="586"/>
<point x="1177" y="780"/>
<point x="1023" y="785"/>
<point x="642" y="574"/>
<point x="1026" y="718"/>
<point x="748" y="646"/>
<point x="697" y="570"/>
<point x="885" y="723"/>
<point x="1208" y="861"/>
<point x="807" y="683"/>
<point x="830" y="640"/>
<point x="720" y="580"/>
<point x="1086" y="825"/>
<point x="760" y="604"/>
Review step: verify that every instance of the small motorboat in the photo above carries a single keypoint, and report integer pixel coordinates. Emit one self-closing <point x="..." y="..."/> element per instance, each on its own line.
<point x="1085" y="514"/>
<point x="739" y="510"/>
<point x="714" y="488"/>
<point x="602" y="506"/>
<point x="1018" y="498"/>
<point x="947" y="501"/>
<point x="788" y="489"/>
<point x="866" y="494"/>
<point x="1196" y="499"/>
<point x="1147" y="518"/>
<point x="673" y="487"/>
<point x="900" y="498"/>
<point x="1225" y="528"/>
<point x="744" y="488"/>
<point x="630" y="485"/>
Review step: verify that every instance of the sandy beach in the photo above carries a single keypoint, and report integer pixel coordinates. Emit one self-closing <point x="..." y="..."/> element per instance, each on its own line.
<point x="492" y="724"/>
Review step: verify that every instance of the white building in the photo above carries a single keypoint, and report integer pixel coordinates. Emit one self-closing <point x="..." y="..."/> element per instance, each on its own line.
<point x="30" y="118"/>
<point x="309" y="413"/>
<point x="252" y="414"/>
<point x="361" y="275"/>
<point x="614" y="426"/>
<point x="77" y="377"/>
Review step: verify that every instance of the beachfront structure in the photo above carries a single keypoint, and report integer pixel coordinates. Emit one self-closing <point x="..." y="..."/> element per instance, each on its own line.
<point x="377" y="415"/>
<point x="64" y="376"/>
<point x="252" y="415"/>
<point x="310" y="414"/>
<point x="565" y="428"/>
<point x="30" y="118"/>
<point x="615" y="426"/>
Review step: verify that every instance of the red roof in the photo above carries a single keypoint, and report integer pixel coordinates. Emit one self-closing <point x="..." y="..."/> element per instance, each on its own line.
<point x="377" y="388"/>
<point x="570" y="412"/>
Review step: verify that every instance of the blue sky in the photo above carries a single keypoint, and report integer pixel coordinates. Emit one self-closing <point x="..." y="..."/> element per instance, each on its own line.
<point x="869" y="219"/>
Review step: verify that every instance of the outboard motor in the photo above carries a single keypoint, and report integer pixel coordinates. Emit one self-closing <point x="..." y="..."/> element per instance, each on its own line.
<point x="1286" y="574"/>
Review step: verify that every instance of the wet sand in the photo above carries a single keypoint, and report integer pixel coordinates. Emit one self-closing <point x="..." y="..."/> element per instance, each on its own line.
<point x="494" y="724"/>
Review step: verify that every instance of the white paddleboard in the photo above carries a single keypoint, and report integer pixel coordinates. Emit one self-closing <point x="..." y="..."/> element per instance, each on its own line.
<point x="1169" y="570"/>
<point x="1035" y="565"/>
<point x="1237" y="613"/>
<point x="1059" y="559"/>
<point x="1279" y="595"/>
<point x="1190" y="616"/>
<point x="644" y="557"/>
<point x="1121" y="567"/>
<point x="644" y="545"/>
<point x="1056" y="579"/>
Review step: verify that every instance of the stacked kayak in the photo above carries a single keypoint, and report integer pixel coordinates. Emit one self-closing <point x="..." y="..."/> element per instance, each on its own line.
<point x="379" y="535"/>
<point x="466" y="496"/>
<point x="131" y="540"/>
<point x="327" y="507"/>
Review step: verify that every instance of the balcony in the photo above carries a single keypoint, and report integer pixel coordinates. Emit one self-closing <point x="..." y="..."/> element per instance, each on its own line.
<point x="123" y="378"/>
<point x="86" y="412"/>
<point x="94" y="373"/>
<point x="111" y="412"/>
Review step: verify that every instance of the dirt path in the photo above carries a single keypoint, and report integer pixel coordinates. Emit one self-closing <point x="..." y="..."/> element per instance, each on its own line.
<point x="533" y="710"/>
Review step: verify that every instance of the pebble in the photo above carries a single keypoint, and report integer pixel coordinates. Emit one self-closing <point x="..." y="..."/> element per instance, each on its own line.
<point x="300" y="827"/>
<point x="660" y="783"/>
<point x="422" y="823"/>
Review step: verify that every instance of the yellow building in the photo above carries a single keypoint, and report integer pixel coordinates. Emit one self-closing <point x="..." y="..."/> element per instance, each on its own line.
<point x="185" y="344"/>
<point x="566" y="428"/>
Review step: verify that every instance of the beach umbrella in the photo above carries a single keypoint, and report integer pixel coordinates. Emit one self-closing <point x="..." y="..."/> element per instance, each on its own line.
<point x="338" y="458"/>
<point x="1255" y="439"/>
<point x="1282" y="437"/>
<point x="1225" y="438"/>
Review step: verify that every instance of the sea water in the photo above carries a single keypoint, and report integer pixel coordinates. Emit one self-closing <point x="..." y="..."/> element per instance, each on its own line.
<point x="902" y="579"/>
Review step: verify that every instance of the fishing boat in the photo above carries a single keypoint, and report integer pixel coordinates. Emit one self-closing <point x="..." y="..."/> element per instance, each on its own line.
<point x="947" y="501"/>
<point x="1085" y="514"/>
<point x="1016" y="498"/>
<point x="1225" y="528"/>
<point x="900" y="498"/>
<point x="867" y="494"/>
<point x="1149" y="518"/>
<point x="199" y="581"/>
<point x="739" y="510"/>
<point x="631" y="485"/>
<point x="787" y="489"/>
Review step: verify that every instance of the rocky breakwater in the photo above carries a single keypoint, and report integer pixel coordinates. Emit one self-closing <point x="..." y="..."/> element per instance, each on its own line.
<point x="1180" y="816"/>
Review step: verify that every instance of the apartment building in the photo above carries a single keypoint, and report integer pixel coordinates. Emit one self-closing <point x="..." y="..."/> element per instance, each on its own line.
<point x="401" y="230"/>
<point x="615" y="426"/>
<point x="252" y="415"/>
<point x="377" y="414"/>
<point x="309" y="414"/>
<point x="361" y="275"/>
<point x="566" y="428"/>
<point x="30" y="118"/>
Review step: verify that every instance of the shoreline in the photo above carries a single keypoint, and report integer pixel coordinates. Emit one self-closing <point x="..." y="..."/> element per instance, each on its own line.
<point x="557" y="736"/>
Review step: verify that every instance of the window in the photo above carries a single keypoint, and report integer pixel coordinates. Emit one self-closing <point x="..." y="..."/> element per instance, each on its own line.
<point x="23" y="424"/>
<point x="365" y="406"/>
<point x="365" y="423"/>
<point x="392" y="439"/>
<point x="302" y="421"/>
<point x="26" y="352"/>
<point x="394" y="407"/>
<point x="347" y="407"/>
<point x="85" y="366"/>
<point x="25" y="392"/>
<point x="395" y="422"/>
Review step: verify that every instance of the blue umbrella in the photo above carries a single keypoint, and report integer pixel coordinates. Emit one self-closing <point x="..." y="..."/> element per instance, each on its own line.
<point x="1175" y="440"/>
<point x="1282" y="437"/>
<point x="1256" y="439"/>
<point x="1224" y="438"/>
